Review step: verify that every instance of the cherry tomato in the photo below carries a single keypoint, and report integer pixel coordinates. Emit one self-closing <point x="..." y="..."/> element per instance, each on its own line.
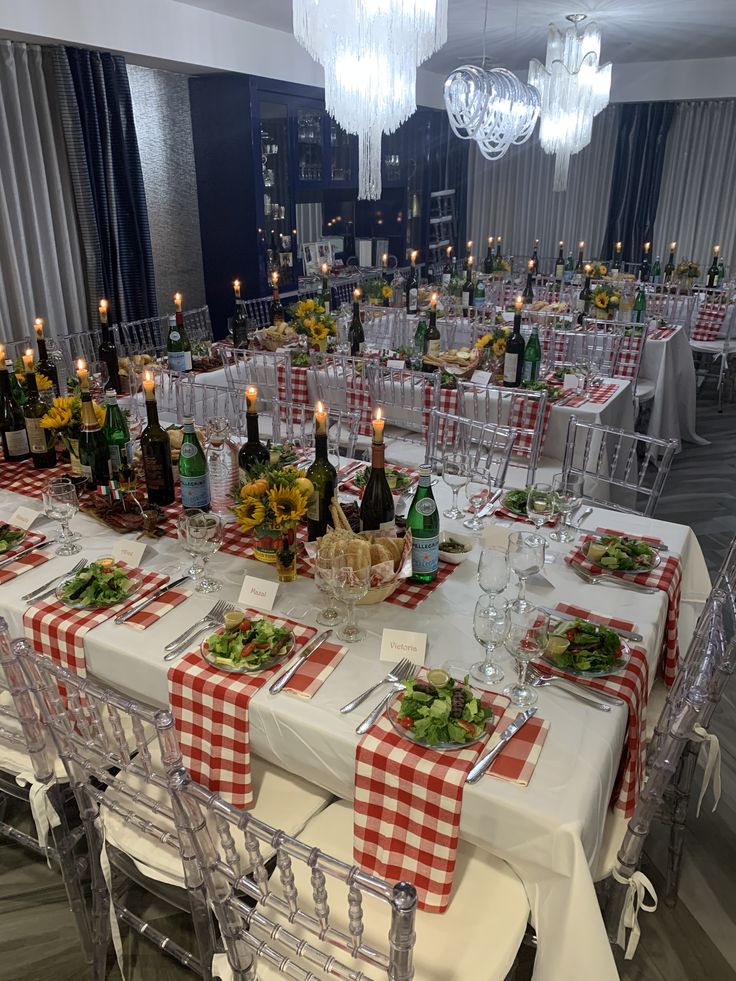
<point x="405" y="721"/>
<point x="467" y="726"/>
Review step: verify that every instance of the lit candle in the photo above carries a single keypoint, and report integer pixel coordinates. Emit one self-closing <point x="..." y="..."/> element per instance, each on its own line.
<point x="177" y="302"/>
<point x="470" y="262"/>
<point x="530" y="265"/>
<point x="414" y="256"/>
<point x="618" y="246"/>
<point x="433" y="301"/>
<point x="28" y="360"/>
<point x="519" y="303"/>
<point x="561" y="243"/>
<point x="449" y="251"/>
<point x="490" y="241"/>
<point x="588" y="269"/>
<point x="716" y="249"/>
<point x="378" y="424"/>
<point x="647" y="247"/>
<point x="384" y="259"/>
<point x="673" y="246"/>
<point x="498" y="240"/>
<point x="82" y="373"/>
<point x="325" y="268"/>
<point x="581" y="245"/>
<point x="251" y="399"/>
<point x="468" y="245"/>
<point x="236" y="288"/>
<point x="274" y="280"/>
<point x="103" y="311"/>
<point x="536" y="242"/>
<point x="38" y="327"/>
<point x="320" y="420"/>
<point x="2" y="354"/>
<point x="356" y="295"/>
<point x="148" y="385"/>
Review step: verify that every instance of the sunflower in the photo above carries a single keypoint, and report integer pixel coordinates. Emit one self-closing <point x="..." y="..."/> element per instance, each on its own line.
<point x="299" y="309"/>
<point x="601" y="301"/>
<point x="310" y="304"/>
<point x="602" y="270"/>
<point x="482" y="341"/>
<point x="309" y="323"/>
<point x="320" y="332"/>
<point x="251" y="513"/>
<point x="386" y="291"/>
<point x="57" y="417"/>
<point x="499" y="347"/>
<point x="287" y="504"/>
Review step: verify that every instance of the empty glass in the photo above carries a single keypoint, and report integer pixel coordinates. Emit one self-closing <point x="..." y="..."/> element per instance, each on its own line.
<point x="526" y="558"/>
<point x="493" y="572"/>
<point x="350" y="585"/>
<point x="490" y="627"/>
<point x="567" y="492"/>
<point x="540" y="507"/>
<point x="204" y="535"/>
<point x="324" y="578"/>
<point x="527" y="638"/>
<point x="61" y="504"/>
<point x="455" y="476"/>
<point x="195" y="569"/>
<point x="477" y="493"/>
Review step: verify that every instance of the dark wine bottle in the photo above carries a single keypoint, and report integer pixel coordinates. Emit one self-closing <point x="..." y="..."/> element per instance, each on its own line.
<point x="585" y="297"/>
<point x="569" y="269"/>
<point x="156" y="452"/>
<point x="560" y="265"/>
<point x="616" y="261"/>
<point x="356" y="334"/>
<point x="468" y="289"/>
<point x="45" y="365"/>
<point x="488" y="261"/>
<point x="433" y="338"/>
<point x="277" y="309"/>
<point x="240" y="321"/>
<point x="535" y="258"/>
<point x="12" y="423"/>
<point x="669" y="269"/>
<point x="94" y="454"/>
<point x="40" y="441"/>
<point x="447" y="268"/>
<point x="412" y="287"/>
<point x="423" y="520"/>
<point x="324" y="478"/>
<point x="252" y="452"/>
<point x="713" y="269"/>
<point x="377" y="505"/>
<point x="645" y="267"/>
<point x="513" y="361"/>
<point x="325" y="296"/>
<point x="528" y="293"/>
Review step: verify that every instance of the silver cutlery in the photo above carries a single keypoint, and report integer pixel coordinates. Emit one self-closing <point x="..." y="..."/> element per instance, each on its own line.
<point x="43" y="591"/>
<point x="122" y="617"/>
<point x="508" y="733"/>
<point x="657" y="546"/>
<point x="490" y="505"/>
<point x="215" y="618"/>
<point x="373" y="717"/>
<point x="349" y="470"/>
<point x="599" y="700"/>
<point x="606" y="579"/>
<point x="27" y="551"/>
<point x="628" y="634"/>
<point x="311" y="647"/>
<point x="585" y="513"/>
<point x="398" y="673"/>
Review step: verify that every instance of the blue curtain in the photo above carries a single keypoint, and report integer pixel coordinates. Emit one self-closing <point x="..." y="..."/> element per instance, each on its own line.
<point x="637" y="176"/>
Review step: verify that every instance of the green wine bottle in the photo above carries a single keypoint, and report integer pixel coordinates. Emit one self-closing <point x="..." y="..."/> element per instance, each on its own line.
<point x="420" y="342"/>
<point x="640" y="305"/>
<point x="194" y="481"/>
<point x="117" y="436"/>
<point x="532" y="357"/>
<point x="560" y="265"/>
<point x="108" y="351"/>
<point x="324" y="477"/>
<point x="156" y="452"/>
<point x="488" y="261"/>
<point x="423" y="520"/>
<point x="94" y="455"/>
<point x="377" y="505"/>
<point x="669" y="269"/>
<point x="40" y="441"/>
<point x="252" y="452"/>
<point x="12" y="423"/>
<point x="178" y="347"/>
<point x="479" y="296"/>
<point x="433" y="339"/>
<point x="412" y="287"/>
<point x="45" y="366"/>
<point x="468" y="289"/>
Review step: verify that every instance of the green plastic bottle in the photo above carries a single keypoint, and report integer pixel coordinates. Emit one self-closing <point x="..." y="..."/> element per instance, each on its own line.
<point x="117" y="435"/>
<point x="194" y="481"/>
<point x="424" y="521"/>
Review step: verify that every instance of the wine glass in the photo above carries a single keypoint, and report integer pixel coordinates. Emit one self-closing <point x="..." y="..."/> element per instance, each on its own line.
<point x="324" y="577"/>
<point x="493" y="572"/>
<point x="350" y="585"/>
<point x="195" y="569"/>
<point x="204" y="533"/>
<point x="539" y="508"/>
<point x="490" y="627"/>
<point x="455" y="476"/>
<point x="567" y="493"/>
<point x="477" y="493"/>
<point x="61" y="504"/>
<point x="527" y="638"/>
<point x="526" y="558"/>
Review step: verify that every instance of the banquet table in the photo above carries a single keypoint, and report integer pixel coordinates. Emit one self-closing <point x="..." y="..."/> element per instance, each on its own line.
<point x="668" y="364"/>
<point x="549" y="832"/>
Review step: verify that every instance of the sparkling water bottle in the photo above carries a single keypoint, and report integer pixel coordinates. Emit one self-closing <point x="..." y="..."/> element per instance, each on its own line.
<point x="222" y="466"/>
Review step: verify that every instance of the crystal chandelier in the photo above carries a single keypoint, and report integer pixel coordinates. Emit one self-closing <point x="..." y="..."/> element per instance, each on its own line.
<point x="574" y="88"/>
<point x="370" y="50"/>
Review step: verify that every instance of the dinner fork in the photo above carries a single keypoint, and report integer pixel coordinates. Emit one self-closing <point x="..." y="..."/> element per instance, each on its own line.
<point x="606" y="579"/>
<point x="43" y="591"/>
<point x="215" y="618"/>
<point x="599" y="700"/>
<point x="399" y="673"/>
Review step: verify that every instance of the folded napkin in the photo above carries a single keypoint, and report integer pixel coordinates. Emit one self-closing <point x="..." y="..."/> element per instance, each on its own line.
<point x="597" y="395"/>
<point x="158" y="609"/>
<point x="25" y="562"/>
<point x="662" y="333"/>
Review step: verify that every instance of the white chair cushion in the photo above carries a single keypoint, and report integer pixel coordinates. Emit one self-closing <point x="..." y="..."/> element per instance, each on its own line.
<point x="14" y="759"/>
<point x="644" y="390"/>
<point x="477" y="937"/>
<point x="708" y="347"/>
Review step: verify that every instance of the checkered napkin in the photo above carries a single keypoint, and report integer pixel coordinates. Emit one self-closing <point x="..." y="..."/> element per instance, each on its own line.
<point x="408" y="800"/>
<point x="25" y="562"/>
<point x="632" y="685"/>
<point x="662" y="333"/>
<point x="410" y="594"/>
<point x="597" y="396"/>
<point x="211" y="711"/>
<point x="667" y="576"/>
<point x="709" y="322"/>
<point x="158" y="608"/>
<point x="350" y="487"/>
<point x="627" y="363"/>
<point x="55" y="629"/>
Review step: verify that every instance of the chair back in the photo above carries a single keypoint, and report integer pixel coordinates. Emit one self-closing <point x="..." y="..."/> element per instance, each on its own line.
<point x="269" y="371"/>
<point x="620" y="470"/>
<point x="484" y="448"/>
<point x="259" y="311"/>
<point x="342" y="292"/>
<point x="597" y="344"/>
<point x="405" y="396"/>
<point x="142" y="336"/>
<point x="71" y="347"/>
<point x="198" y="324"/>
<point x="341" y="382"/>
<point x="167" y="392"/>
<point x="293" y="422"/>
<point x="671" y="306"/>
<point x="713" y="317"/>
<point x="205" y="402"/>
<point x="631" y="352"/>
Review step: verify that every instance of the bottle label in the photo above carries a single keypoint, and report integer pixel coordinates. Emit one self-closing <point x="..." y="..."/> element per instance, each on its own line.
<point x="567" y="276"/>
<point x="529" y="370"/>
<point x="195" y="491"/>
<point x="36" y="436"/>
<point x="174" y="335"/>
<point x="188" y="450"/>
<point x="433" y="347"/>
<point x="153" y="469"/>
<point x="426" y="506"/>
<point x="478" y="301"/>
<point x="425" y="555"/>
<point x="510" y="364"/>
<point x="180" y="360"/>
<point x="413" y="294"/>
<point x="466" y="298"/>
<point x="445" y="279"/>
<point x="17" y="442"/>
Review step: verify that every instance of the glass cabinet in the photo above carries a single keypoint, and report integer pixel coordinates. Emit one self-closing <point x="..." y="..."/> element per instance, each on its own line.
<point x="276" y="231"/>
<point x="310" y="145"/>
<point x="342" y="154"/>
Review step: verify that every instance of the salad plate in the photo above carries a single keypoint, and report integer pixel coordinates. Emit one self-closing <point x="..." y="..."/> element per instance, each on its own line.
<point x="10" y="537"/>
<point x="515" y="501"/>
<point x="629" y="556"/>
<point x="248" y="646"/>
<point x="397" y="480"/>
<point x="432" y="715"/>
<point x="99" y="585"/>
<point x="586" y="649"/>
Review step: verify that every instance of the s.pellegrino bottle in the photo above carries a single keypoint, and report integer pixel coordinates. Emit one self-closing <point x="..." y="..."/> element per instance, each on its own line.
<point x="377" y="505"/>
<point x="40" y="441"/>
<point x="108" y="352"/>
<point x="117" y="435"/>
<point x="513" y="361"/>
<point x="252" y="452"/>
<point x="356" y="334"/>
<point x="532" y="357"/>
<point x="479" y="296"/>
<point x="45" y="366"/>
<point x="94" y="455"/>
<point x="423" y="520"/>
<point x="156" y="453"/>
<point x="657" y="270"/>
<point x="412" y="287"/>
<point x="178" y="347"/>
<point x="12" y="424"/>
<point x="640" y="305"/>
<point x="194" y="482"/>
<point x="324" y="478"/>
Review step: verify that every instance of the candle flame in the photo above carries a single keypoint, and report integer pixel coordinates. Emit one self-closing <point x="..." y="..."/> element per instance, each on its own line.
<point x="356" y="293"/>
<point x="469" y="244"/>
<point x="385" y="256"/>
<point x="498" y="240"/>
<point x="177" y="297"/>
<point x="581" y="245"/>
<point x="449" y="250"/>
<point x="647" y="246"/>
<point x="251" y="390"/>
<point x="530" y="264"/>
<point x="673" y="246"/>
<point x="38" y="326"/>
<point x="618" y="246"/>
<point x="29" y="353"/>
<point x="148" y="376"/>
<point x="490" y="240"/>
<point x="519" y="303"/>
<point x="236" y="284"/>
<point x="716" y="248"/>
<point x="325" y="268"/>
<point x="414" y="255"/>
<point x="470" y="260"/>
<point x="561" y="243"/>
<point x="81" y="364"/>
<point x="2" y="352"/>
<point x="103" y="306"/>
<point x="588" y="268"/>
<point x="320" y="407"/>
<point x="275" y="278"/>
<point x="379" y="414"/>
<point x="433" y="299"/>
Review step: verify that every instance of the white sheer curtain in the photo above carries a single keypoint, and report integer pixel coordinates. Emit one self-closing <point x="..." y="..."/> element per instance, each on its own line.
<point x="697" y="202"/>
<point x="40" y="260"/>
<point x="513" y="197"/>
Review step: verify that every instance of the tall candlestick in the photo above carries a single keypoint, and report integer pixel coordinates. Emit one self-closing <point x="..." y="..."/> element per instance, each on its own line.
<point x="28" y="360"/>
<point x="320" y="420"/>
<point x="274" y="279"/>
<point x="530" y="265"/>
<point x="103" y="311"/>
<point x="251" y="399"/>
<point x="378" y="424"/>
<point x="177" y="302"/>
<point x="433" y="301"/>
<point x="38" y="327"/>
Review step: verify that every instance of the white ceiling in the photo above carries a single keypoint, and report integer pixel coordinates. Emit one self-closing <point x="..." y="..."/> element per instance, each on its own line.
<point x="633" y="30"/>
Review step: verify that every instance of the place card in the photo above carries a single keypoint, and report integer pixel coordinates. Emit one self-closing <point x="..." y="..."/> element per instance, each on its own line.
<point x="131" y="553"/>
<point x="260" y="593"/>
<point x="496" y="536"/>
<point x="24" y="517"/>
<point x="570" y="382"/>
<point x="396" y="363"/>
<point x="397" y="644"/>
<point x="481" y="378"/>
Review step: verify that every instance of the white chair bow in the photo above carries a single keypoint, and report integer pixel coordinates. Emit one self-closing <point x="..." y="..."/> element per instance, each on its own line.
<point x="638" y="888"/>
<point x="710" y="757"/>
<point x="42" y="810"/>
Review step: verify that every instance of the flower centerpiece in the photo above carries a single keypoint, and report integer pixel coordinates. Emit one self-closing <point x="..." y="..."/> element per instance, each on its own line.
<point x="501" y="266"/>
<point x="492" y="348"/>
<point x="64" y="418"/>
<point x="685" y="272"/>
<point x="310" y="319"/>
<point x="43" y="384"/>
<point x="377" y="291"/>
<point x="606" y="299"/>
<point x="598" y="269"/>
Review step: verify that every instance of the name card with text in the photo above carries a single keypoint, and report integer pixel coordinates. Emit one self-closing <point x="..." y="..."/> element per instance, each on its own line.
<point x="260" y="593"/>
<point x="481" y="378"/>
<point x="24" y="517"/>
<point x="397" y="644"/>
<point x="396" y="363"/>
<point x="497" y="536"/>
<point x="131" y="553"/>
<point x="570" y="382"/>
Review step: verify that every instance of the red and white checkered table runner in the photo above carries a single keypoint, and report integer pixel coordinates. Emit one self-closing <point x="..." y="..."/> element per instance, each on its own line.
<point x="662" y="333"/>
<point x="667" y="576"/>
<point x="627" y="365"/>
<point x="597" y="396"/>
<point x="299" y="388"/>
<point x="710" y="318"/>
<point x="59" y="631"/>
<point x="211" y="711"/>
<point x="25" y="562"/>
<point x="167" y="602"/>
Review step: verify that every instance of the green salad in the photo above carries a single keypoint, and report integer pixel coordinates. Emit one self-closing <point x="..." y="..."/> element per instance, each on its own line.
<point x="451" y="713"/>
<point x="583" y="646"/>
<point x="250" y="644"/>
<point x="10" y="537"/>
<point x="101" y="583"/>
<point x="397" y="479"/>
<point x="621" y="554"/>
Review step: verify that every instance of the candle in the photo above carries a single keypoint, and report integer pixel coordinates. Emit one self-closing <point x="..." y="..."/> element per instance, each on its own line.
<point x="251" y="399"/>
<point x="519" y="303"/>
<point x="449" y="251"/>
<point x="618" y="246"/>
<point x="588" y="269"/>
<point x="716" y="249"/>
<point x="498" y="240"/>
<point x="384" y="259"/>
<point x="490" y="241"/>
<point x="536" y="242"/>
<point x="274" y="280"/>
<point x="647" y="246"/>
<point x="414" y="256"/>
<point x="38" y="327"/>
<point x="470" y="262"/>
<point x="28" y="360"/>
<point x="356" y="295"/>
<point x="378" y="424"/>
<point x="2" y="354"/>
<point x="530" y="265"/>
<point x="433" y="301"/>
<point x="561" y="243"/>
<point x="320" y="420"/>
<point x="148" y="385"/>
<point x="103" y="311"/>
<point x="325" y="268"/>
<point x="673" y="246"/>
<point x="177" y="302"/>
<point x="82" y="373"/>
<point x="468" y="245"/>
<point x="581" y="245"/>
<point x="236" y="287"/>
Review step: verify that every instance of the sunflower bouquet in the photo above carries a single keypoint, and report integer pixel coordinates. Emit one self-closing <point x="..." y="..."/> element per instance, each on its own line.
<point x="271" y="504"/>
<point x="501" y="265"/>
<point x="309" y="318"/>
<point x="598" y="270"/>
<point x="687" y="269"/>
<point x="65" y="416"/>
<point x="43" y="384"/>
<point x="606" y="298"/>
<point x="377" y="290"/>
<point x="494" y="343"/>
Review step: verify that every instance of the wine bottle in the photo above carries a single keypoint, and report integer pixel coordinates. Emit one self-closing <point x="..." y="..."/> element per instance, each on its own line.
<point x="488" y="261"/>
<point x="94" y="455"/>
<point x="640" y="305"/>
<point x="532" y="357"/>
<point x="569" y="269"/>
<point x="535" y="258"/>
<point x="656" y="270"/>
<point x="528" y="294"/>
<point x="616" y="262"/>
<point x="386" y="281"/>
<point x="669" y="269"/>
<point x="276" y="310"/>
<point x="479" y="295"/>
<point x="377" y="505"/>
<point x="240" y="321"/>
<point x="434" y="338"/>
<point x="447" y="268"/>
<point x="324" y="478"/>
<point x="45" y="365"/>
<point x="560" y="265"/>
<point x="117" y="436"/>
<point x="12" y="423"/>
<point x="194" y="481"/>
<point x="325" y="297"/>
<point x="252" y="452"/>
<point x="420" y="342"/>
<point x="499" y="257"/>
<point x="645" y="266"/>
<point x="107" y="350"/>
<point x="356" y="334"/>
<point x="584" y="298"/>
<point x="468" y="289"/>
<point x="19" y="392"/>
<point x="514" y="358"/>
<point x="423" y="520"/>
<point x="156" y="451"/>
<point x="713" y="270"/>
<point x="454" y="275"/>
<point x="721" y="272"/>
<point x="178" y="348"/>
<point x="40" y="441"/>
<point x="430" y="273"/>
<point x="412" y="286"/>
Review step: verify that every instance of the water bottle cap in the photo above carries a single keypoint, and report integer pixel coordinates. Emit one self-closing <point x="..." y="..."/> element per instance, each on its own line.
<point x="424" y="470"/>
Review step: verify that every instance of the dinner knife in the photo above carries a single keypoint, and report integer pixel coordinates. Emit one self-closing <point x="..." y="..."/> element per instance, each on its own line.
<point x="488" y="506"/>
<point x="122" y="617"/>
<point x="27" y="551"/>
<point x="285" y="678"/>
<point x="628" y="634"/>
<point x="485" y="761"/>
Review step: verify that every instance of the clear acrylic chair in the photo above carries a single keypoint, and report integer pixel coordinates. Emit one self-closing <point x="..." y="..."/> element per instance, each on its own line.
<point x="486" y="447"/>
<point x="711" y="333"/>
<point x="406" y="398"/>
<point x="259" y="311"/>
<point x="342" y="292"/>
<point x="293" y="422"/>
<point x="629" y="360"/>
<point x="205" y="402"/>
<point x="671" y="306"/>
<point x="269" y="371"/>
<point x="598" y="344"/>
<point x="620" y="470"/>
<point x="198" y="324"/>
<point x="341" y="382"/>
<point x="142" y="336"/>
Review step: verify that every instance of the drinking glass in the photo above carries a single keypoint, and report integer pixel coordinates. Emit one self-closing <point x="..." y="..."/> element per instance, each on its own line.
<point x="455" y="476"/>
<point x="539" y="508"/>
<point x="493" y="572"/>
<point x="527" y="638"/>
<point x="350" y="586"/>
<point x="525" y="558"/>
<point x="204" y="533"/>
<point x="567" y="492"/>
<point x="60" y="504"/>
<point x="195" y="569"/>
<point x="477" y="493"/>
<point x="324" y="577"/>
<point x="490" y="627"/>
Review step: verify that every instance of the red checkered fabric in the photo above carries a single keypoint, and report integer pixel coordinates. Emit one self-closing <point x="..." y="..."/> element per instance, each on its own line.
<point x="523" y="417"/>
<point x="408" y="801"/>
<point x="632" y="685"/>
<point x="598" y="396"/>
<point x="167" y="602"/>
<point x="23" y="478"/>
<point x="359" y="400"/>
<point x="211" y="712"/>
<point x="555" y="354"/>
<point x="710" y="318"/>
<point x="410" y="594"/>
<point x="299" y="389"/>
<point x="662" y="333"/>
<point x="627" y="364"/>
<point x="667" y="576"/>
<point x="55" y="629"/>
<point x="448" y="404"/>
<point x="31" y="561"/>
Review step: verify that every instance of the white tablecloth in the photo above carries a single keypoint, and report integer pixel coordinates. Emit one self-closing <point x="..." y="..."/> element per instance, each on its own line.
<point x="549" y="832"/>
<point x="669" y="365"/>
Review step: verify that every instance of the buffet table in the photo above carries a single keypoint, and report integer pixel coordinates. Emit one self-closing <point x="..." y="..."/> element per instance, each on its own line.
<point x="549" y="831"/>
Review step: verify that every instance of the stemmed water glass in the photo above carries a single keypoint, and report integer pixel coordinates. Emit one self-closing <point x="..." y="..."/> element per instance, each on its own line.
<point x="204" y="534"/>
<point x="527" y="638"/>
<point x="350" y="585"/>
<point x="490" y="627"/>
<point x="567" y="492"/>
<point x="493" y="572"/>
<point x="540" y="507"/>
<point x="477" y="493"/>
<point x="526" y="558"/>
<point x="324" y="578"/>
<point x="61" y="504"/>
<point x="195" y="569"/>
<point x="455" y="475"/>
